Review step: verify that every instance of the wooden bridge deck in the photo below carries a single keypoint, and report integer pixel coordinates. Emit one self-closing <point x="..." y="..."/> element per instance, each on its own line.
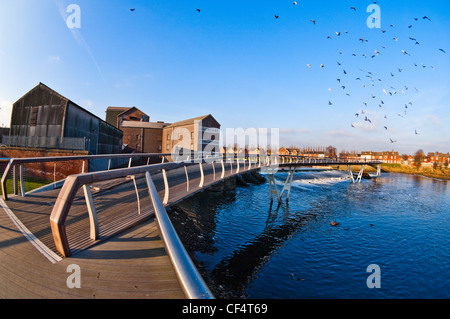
<point x="128" y="261"/>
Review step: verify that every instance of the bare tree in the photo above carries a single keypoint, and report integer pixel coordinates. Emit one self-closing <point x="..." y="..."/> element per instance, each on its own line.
<point x="418" y="158"/>
<point x="331" y="152"/>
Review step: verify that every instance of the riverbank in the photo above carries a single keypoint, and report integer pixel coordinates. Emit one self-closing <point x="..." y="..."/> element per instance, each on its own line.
<point x="439" y="173"/>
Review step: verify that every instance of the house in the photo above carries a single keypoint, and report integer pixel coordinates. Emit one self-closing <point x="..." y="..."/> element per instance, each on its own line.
<point x="199" y="134"/>
<point x="349" y="156"/>
<point x="45" y="119"/>
<point x="288" y="151"/>
<point x="313" y="152"/>
<point x="386" y="157"/>
<point x="438" y="157"/>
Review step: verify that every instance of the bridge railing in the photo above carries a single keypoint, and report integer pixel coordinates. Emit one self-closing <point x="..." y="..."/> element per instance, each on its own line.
<point x="191" y="281"/>
<point x="50" y="170"/>
<point x="26" y="174"/>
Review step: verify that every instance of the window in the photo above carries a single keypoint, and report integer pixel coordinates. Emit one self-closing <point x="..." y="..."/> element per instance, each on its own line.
<point x="168" y="137"/>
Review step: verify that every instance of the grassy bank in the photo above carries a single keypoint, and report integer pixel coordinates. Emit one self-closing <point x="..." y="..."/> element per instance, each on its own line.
<point x="29" y="184"/>
<point x="439" y="173"/>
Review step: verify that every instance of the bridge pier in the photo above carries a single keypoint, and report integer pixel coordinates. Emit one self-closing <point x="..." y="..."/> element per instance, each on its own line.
<point x="360" y="174"/>
<point x="273" y="186"/>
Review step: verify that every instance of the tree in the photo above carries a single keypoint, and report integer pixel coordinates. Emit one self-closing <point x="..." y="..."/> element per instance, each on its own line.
<point x="446" y="164"/>
<point x="435" y="165"/>
<point x="418" y="158"/>
<point x="331" y="152"/>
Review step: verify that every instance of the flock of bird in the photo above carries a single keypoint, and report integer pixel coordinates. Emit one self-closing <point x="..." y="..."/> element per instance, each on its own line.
<point x="368" y="74"/>
<point x="373" y="81"/>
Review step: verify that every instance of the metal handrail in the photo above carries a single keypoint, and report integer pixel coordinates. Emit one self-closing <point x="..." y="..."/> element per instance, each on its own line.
<point x="191" y="281"/>
<point x="20" y="161"/>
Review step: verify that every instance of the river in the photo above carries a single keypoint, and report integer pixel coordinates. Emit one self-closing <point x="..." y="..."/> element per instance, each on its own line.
<point x="247" y="248"/>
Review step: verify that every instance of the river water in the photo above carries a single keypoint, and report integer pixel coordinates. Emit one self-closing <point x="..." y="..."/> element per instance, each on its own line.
<point x="247" y="248"/>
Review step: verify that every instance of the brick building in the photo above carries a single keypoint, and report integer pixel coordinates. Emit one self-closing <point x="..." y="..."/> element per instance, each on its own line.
<point x="196" y="134"/>
<point x="387" y="156"/>
<point x="139" y="134"/>
<point x="438" y="157"/>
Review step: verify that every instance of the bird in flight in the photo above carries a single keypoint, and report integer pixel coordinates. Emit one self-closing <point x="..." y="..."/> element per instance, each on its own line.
<point x="426" y="18"/>
<point x="442" y="50"/>
<point x="276" y="16"/>
<point x="198" y="10"/>
<point x="353" y="8"/>
<point x="294" y="3"/>
<point x="313" y="21"/>
<point x="392" y="141"/>
<point x="132" y="10"/>
<point x="416" y="132"/>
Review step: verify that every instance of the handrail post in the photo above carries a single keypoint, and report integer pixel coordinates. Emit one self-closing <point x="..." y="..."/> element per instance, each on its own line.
<point x="15" y="180"/>
<point x="166" y="188"/>
<point x="223" y="170"/>
<point x="202" y="177"/>
<point x="187" y="178"/>
<point x="22" y="188"/>
<point x="93" y="220"/>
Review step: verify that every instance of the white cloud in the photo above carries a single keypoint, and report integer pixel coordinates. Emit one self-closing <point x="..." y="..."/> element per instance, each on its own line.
<point x="433" y="119"/>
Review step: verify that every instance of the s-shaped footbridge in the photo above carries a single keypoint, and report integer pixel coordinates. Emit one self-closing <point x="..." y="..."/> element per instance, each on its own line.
<point x="76" y="214"/>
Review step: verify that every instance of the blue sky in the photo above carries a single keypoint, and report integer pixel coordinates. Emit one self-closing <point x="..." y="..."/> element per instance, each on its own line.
<point x="248" y="69"/>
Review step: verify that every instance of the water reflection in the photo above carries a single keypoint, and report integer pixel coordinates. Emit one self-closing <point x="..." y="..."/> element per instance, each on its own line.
<point x="234" y="236"/>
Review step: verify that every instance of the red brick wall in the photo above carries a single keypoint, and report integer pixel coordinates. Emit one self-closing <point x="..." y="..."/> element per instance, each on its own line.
<point x="46" y="170"/>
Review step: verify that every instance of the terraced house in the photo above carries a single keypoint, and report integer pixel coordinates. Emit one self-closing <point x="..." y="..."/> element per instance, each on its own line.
<point x="387" y="156"/>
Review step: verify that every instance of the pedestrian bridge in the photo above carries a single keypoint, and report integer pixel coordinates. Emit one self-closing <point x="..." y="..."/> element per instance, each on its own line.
<point x="69" y="217"/>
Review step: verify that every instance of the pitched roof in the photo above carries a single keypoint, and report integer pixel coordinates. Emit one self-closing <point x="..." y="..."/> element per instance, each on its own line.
<point x="189" y="121"/>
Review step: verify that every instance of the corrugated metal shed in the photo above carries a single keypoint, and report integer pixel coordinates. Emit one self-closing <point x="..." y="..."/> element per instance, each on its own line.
<point x="48" y="117"/>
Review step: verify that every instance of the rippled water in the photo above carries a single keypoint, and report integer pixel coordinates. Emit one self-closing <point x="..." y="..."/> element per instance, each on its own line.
<point x="245" y="246"/>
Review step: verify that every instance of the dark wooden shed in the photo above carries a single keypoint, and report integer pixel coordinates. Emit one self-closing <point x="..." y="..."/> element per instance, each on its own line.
<point x="43" y="118"/>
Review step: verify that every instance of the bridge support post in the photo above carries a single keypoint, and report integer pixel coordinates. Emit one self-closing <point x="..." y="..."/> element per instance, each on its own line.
<point x="351" y="173"/>
<point x="361" y="172"/>
<point x="288" y="183"/>
<point x="378" y="170"/>
<point x="273" y="187"/>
